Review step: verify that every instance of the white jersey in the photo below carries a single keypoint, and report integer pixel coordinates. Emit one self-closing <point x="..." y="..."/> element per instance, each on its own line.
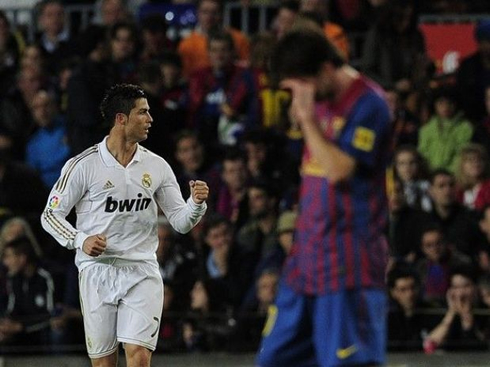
<point x="119" y="202"/>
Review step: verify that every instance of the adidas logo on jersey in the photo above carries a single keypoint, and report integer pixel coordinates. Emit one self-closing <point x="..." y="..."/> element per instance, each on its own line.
<point x="127" y="205"/>
<point x="108" y="185"/>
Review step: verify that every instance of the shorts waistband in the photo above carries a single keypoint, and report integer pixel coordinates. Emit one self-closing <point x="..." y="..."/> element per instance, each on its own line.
<point x="114" y="261"/>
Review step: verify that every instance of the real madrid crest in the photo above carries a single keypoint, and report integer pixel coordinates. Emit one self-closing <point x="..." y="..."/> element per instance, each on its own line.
<point x="146" y="180"/>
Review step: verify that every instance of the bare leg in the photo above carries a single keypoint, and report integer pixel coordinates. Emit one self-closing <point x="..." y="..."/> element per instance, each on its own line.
<point x="137" y="356"/>
<point x="107" y="361"/>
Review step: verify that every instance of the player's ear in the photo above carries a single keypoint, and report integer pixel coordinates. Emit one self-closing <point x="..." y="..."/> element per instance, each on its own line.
<point x="121" y="119"/>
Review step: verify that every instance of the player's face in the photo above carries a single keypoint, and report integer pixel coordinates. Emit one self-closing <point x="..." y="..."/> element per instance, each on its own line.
<point x="139" y="121"/>
<point x="324" y="83"/>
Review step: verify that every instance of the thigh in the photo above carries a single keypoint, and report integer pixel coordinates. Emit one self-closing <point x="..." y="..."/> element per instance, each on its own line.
<point x="140" y="309"/>
<point x="287" y="338"/>
<point x="99" y="311"/>
<point x="349" y="327"/>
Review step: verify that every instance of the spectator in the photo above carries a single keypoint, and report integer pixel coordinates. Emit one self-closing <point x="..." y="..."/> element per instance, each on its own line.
<point x="287" y="11"/>
<point x="459" y="329"/>
<point x="206" y="328"/>
<point x="269" y="160"/>
<point x="443" y="136"/>
<point x="472" y="176"/>
<point x="251" y="318"/>
<point x="334" y="32"/>
<point x="30" y="292"/>
<point x="54" y="37"/>
<point x="33" y="57"/>
<point x="405" y="226"/>
<point x="123" y="45"/>
<point x="154" y="38"/>
<point x="394" y="50"/>
<point x="193" y="49"/>
<point x="17" y="227"/>
<point x="10" y="50"/>
<point x="177" y="263"/>
<point x="22" y="192"/>
<point x="222" y="97"/>
<point x="194" y="163"/>
<point x="110" y="12"/>
<point x="231" y="201"/>
<point x="257" y="240"/>
<point x="85" y="90"/>
<point x="435" y="267"/>
<point x="47" y="149"/>
<point x="458" y="225"/>
<point x="473" y="75"/>
<point x="411" y="170"/>
<point x="216" y="257"/>
<point x="406" y="125"/>
<point x="408" y="316"/>
<point x="15" y="115"/>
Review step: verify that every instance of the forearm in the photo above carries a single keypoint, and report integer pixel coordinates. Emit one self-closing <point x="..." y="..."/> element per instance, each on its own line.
<point x="336" y="164"/>
<point x="439" y="334"/>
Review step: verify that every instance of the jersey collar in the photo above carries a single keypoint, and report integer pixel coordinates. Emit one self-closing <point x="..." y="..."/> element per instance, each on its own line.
<point x="109" y="159"/>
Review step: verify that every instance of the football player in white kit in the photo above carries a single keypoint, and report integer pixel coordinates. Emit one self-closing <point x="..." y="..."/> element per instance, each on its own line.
<point x="116" y="187"/>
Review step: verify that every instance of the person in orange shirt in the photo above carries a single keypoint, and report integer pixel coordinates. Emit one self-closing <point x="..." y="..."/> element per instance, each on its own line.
<point x="193" y="49"/>
<point x="334" y="32"/>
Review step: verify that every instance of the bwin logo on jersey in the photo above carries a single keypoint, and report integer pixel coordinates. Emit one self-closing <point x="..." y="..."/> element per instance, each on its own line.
<point x="127" y="205"/>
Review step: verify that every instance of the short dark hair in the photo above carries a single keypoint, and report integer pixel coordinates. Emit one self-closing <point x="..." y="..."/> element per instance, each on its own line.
<point x="402" y="271"/>
<point x="120" y="98"/>
<point x="439" y="172"/>
<point x="41" y="6"/>
<point x="212" y="221"/>
<point x="222" y="36"/>
<point x="302" y="53"/>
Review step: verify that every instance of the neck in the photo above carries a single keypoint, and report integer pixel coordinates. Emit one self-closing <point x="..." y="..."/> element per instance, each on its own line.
<point x="443" y="210"/>
<point x="122" y="149"/>
<point x="345" y="76"/>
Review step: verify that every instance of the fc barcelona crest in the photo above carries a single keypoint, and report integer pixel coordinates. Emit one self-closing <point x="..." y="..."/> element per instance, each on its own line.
<point x="146" y="180"/>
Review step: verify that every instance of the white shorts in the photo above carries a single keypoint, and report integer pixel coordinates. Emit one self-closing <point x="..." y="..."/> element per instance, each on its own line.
<point x="120" y="302"/>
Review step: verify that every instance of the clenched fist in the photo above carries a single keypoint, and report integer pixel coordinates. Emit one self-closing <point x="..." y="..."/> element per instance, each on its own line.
<point x="95" y="245"/>
<point x="199" y="191"/>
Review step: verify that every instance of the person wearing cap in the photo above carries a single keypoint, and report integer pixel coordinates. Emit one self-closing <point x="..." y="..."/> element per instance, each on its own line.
<point x="473" y="75"/>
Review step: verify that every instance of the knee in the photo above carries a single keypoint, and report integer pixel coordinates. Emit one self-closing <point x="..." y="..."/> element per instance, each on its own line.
<point x="138" y="356"/>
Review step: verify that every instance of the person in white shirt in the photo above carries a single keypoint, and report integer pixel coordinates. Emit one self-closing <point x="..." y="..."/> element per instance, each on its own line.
<point x="116" y="188"/>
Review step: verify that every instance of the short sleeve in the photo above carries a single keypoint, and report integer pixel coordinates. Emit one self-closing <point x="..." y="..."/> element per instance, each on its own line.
<point x="366" y="133"/>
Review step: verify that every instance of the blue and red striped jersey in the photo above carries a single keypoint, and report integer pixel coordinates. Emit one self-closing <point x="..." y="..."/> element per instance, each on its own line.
<point x="339" y="240"/>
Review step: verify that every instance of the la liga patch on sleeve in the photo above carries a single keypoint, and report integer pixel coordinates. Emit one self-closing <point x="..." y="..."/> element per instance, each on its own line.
<point x="54" y="201"/>
<point x="363" y="139"/>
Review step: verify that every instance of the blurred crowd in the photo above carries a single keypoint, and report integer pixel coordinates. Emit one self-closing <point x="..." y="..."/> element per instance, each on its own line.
<point x="220" y="117"/>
